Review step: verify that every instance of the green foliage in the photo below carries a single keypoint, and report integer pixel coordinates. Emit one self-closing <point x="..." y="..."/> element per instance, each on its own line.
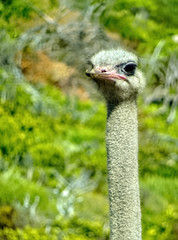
<point x="14" y="14"/>
<point x="15" y="187"/>
<point x="45" y="134"/>
<point x="15" y="8"/>
<point x="158" y="144"/>
<point x="139" y="20"/>
<point x="27" y="234"/>
<point x="160" y="211"/>
<point x="166" y="7"/>
<point x="92" y="229"/>
<point x="80" y="228"/>
<point x="7" y="217"/>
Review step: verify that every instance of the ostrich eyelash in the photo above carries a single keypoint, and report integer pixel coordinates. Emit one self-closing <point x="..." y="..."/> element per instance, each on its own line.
<point x="123" y="64"/>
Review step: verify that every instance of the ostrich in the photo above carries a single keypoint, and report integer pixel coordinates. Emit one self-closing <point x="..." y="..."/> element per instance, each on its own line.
<point x="118" y="79"/>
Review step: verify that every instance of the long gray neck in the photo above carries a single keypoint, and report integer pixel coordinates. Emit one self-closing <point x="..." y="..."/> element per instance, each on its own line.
<point x="122" y="151"/>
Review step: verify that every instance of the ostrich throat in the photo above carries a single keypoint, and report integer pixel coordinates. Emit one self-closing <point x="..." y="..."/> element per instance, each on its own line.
<point x="122" y="161"/>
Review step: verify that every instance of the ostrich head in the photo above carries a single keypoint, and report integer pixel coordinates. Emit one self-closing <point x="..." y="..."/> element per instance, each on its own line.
<point x="116" y="74"/>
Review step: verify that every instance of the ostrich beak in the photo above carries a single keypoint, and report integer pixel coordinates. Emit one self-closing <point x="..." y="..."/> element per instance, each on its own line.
<point x="105" y="75"/>
<point x="90" y="73"/>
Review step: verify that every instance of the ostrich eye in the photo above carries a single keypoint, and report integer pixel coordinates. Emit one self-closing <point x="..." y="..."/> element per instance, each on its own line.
<point x="129" y="68"/>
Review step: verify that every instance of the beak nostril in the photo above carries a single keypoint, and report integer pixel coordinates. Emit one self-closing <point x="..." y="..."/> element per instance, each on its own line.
<point x="88" y="74"/>
<point x="103" y="70"/>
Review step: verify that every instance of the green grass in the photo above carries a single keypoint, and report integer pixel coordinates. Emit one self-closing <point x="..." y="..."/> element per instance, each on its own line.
<point x="159" y="207"/>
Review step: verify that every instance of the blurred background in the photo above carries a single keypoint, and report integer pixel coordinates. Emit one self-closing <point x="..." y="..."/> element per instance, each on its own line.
<point x="53" y="176"/>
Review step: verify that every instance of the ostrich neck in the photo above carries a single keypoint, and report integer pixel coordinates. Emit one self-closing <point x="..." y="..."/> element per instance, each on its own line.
<point x="122" y="151"/>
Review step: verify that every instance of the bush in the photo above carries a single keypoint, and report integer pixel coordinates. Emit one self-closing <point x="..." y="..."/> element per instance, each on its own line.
<point x="26" y="234"/>
<point x="7" y="217"/>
